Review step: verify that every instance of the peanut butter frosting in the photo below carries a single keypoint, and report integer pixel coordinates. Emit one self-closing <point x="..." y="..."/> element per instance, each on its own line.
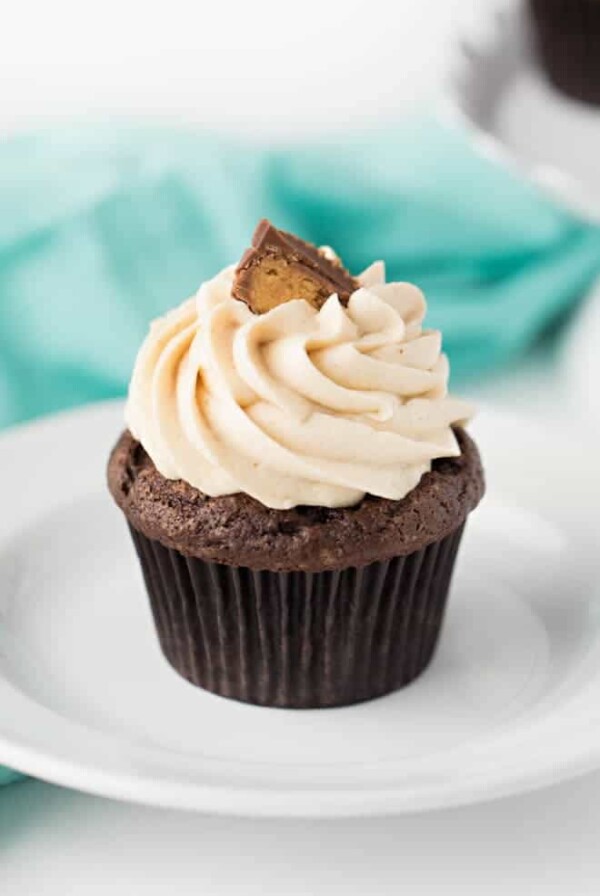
<point x="300" y="405"/>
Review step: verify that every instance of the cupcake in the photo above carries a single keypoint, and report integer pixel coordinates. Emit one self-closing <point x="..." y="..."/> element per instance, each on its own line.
<point x="296" y="479"/>
<point x="568" y="37"/>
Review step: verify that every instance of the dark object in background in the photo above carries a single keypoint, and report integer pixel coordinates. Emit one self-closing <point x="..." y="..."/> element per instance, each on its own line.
<point x="568" y="38"/>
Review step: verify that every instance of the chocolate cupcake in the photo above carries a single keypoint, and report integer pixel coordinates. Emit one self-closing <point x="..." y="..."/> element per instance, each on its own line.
<point x="568" y="37"/>
<point x="296" y="479"/>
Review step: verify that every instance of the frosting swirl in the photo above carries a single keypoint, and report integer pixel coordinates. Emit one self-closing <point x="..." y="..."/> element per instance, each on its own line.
<point x="296" y="406"/>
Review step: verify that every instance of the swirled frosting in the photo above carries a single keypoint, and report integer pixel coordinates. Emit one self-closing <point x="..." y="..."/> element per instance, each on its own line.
<point x="296" y="406"/>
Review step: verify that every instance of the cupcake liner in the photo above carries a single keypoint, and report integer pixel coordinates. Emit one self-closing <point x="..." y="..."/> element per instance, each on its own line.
<point x="298" y="639"/>
<point x="568" y="37"/>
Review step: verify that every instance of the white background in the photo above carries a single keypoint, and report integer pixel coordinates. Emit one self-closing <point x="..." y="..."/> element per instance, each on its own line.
<point x="265" y="69"/>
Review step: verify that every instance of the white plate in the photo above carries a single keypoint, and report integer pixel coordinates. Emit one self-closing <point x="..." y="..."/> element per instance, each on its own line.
<point x="511" y="702"/>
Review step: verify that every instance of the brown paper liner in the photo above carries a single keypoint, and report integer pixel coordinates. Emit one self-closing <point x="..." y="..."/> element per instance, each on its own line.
<point x="298" y="639"/>
<point x="568" y="38"/>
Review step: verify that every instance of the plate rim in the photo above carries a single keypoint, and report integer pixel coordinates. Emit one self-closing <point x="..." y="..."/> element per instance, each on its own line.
<point x="381" y="798"/>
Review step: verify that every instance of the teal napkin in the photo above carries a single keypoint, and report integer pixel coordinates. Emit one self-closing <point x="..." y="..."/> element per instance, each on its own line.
<point x="103" y="228"/>
<point x="7" y="776"/>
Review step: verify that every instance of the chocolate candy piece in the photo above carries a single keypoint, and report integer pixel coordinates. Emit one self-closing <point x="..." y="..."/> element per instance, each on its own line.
<point x="279" y="267"/>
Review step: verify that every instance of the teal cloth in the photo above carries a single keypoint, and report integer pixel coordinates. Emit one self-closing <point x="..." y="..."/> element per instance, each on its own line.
<point x="7" y="776"/>
<point x="102" y="229"/>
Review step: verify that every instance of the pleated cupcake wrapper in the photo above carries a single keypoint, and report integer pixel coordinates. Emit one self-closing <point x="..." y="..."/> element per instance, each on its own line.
<point x="298" y="639"/>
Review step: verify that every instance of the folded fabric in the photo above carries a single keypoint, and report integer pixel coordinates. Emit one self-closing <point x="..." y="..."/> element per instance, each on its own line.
<point x="7" y="776"/>
<point x="103" y="228"/>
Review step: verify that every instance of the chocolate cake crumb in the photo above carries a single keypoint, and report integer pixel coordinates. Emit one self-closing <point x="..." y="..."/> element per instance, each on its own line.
<point x="240" y="531"/>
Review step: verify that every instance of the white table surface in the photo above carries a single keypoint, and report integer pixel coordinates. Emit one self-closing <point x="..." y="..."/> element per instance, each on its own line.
<point x="58" y="842"/>
<point x="186" y="64"/>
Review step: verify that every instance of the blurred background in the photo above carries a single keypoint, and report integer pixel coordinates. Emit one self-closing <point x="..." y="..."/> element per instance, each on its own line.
<point x="262" y="69"/>
<point x="140" y="143"/>
<point x="459" y="140"/>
